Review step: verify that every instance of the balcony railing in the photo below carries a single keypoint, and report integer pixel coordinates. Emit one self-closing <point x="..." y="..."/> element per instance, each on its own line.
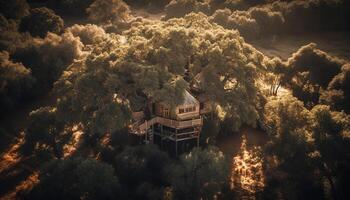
<point x="143" y="127"/>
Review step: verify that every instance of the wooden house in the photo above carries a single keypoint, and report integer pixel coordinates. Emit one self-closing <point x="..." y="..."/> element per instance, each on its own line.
<point x="188" y="109"/>
<point x="175" y="129"/>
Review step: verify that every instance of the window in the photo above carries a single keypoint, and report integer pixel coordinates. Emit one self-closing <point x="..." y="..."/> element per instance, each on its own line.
<point x="188" y="109"/>
<point x="166" y="112"/>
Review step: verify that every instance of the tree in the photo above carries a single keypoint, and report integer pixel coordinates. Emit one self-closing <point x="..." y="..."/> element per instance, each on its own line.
<point x="10" y="38"/>
<point x="309" y="71"/>
<point x="199" y="174"/>
<point x="245" y="24"/>
<point x="289" y="153"/>
<point x="105" y="11"/>
<point x="330" y="131"/>
<point x="180" y="8"/>
<point x="143" y="171"/>
<point x="45" y="135"/>
<point x="40" y="21"/>
<point x="88" y="34"/>
<point x="71" y="7"/>
<point x="157" y="63"/>
<point x="338" y="91"/>
<point x="49" y="57"/>
<point x="275" y="75"/>
<point x="16" y="83"/>
<point x="152" y="5"/>
<point x="76" y="178"/>
<point x="14" y="9"/>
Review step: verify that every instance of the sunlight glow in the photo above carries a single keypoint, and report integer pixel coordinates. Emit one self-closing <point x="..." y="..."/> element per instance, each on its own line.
<point x="247" y="169"/>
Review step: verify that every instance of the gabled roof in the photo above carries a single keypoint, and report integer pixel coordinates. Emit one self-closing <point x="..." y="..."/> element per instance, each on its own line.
<point x="189" y="99"/>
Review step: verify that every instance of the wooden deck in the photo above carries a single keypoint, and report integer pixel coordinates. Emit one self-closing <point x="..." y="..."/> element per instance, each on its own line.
<point x="141" y="128"/>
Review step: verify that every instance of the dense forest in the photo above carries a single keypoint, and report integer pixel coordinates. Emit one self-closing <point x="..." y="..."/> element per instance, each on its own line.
<point x="72" y="72"/>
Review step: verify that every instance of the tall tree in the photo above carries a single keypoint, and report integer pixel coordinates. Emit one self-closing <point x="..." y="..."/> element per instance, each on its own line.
<point x="76" y="178"/>
<point x="16" y="82"/>
<point x="289" y="153"/>
<point x="105" y="11"/>
<point x="337" y="94"/>
<point x="40" y="21"/>
<point x="15" y="9"/>
<point x="331" y="137"/>
<point x="45" y="135"/>
<point x="200" y="174"/>
<point x="156" y="61"/>
<point x="143" y="171"/>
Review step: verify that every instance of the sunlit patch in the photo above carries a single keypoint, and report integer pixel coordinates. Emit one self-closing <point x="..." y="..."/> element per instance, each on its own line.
<point x="221" y="112"/>
<point x="71" y="147"/>
<point x="25" y="185"/>
<point x="11" y="156"/>
<point x="247" y="170"/>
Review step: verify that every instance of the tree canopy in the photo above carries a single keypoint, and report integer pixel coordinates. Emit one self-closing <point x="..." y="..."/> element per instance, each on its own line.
<point x="77" y="178"/>
<point x="16" y="82"/>
<point x="150" y="61"/>
<point x="104" y="11"/>
<point x="200" y="174"/>
<point x="40" y="21"/>
<point x="15" y="9"/>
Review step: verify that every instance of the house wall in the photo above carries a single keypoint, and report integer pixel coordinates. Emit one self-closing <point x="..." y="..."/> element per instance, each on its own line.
<point x="174" y="112"/>
<point x="187" y="115"/>
<point x="164" y="110"/>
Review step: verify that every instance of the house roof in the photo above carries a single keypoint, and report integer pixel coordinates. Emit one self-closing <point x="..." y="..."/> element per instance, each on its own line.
<point x="189" y="99"/>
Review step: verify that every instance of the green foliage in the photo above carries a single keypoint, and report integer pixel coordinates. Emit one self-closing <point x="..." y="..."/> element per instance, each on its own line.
<point x="314" y="15"/>
<point x="152" y="61"/>
<point x="14" y="9"/>
<point x="247" y="26"/>
<point x="47" y="58"/>
<point x="45" y="135"/>
<point x="252" y="24"/>
<point x="10" y="38"/>
<point x="104" y="11"/>
<point x="180" y="8"/>
<point x="258" y="18"/>
<point x="309" y="71"/>
<point x="40" y="21"/>
<point x="289" y="150"/>
<point x="152" y="5"/>
<point x="90" y="99"/>
<point x="76" y="178"/>
<point x="338" y="92"/>
<point x="331" y="137"/>
<point x="88" y="34"/>
<point x="71" y="7"/>
<point x="286" y="120"/>
<point x="143" y="171"/>
<point x="201" y="173"/>
<point x="16" y="83"/>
